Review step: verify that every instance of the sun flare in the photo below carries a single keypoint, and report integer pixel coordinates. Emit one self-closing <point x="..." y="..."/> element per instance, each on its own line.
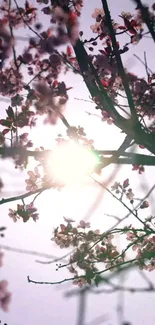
<point x="70" y="163"/>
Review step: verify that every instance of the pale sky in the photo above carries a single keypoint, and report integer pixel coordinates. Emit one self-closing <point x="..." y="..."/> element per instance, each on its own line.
<point x="41" y="304"/>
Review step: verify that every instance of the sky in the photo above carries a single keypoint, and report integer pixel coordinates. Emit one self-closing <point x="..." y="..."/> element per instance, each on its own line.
<point x="42" y="304"/>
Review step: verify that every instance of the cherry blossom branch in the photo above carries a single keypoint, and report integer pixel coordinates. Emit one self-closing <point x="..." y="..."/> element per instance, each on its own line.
<point x="136" y="208"/>
<point x="24" y="196"/>
<point x="92" y="39"/>
<point x="130" y="262"/>
<point x="138" y="133"/>
<point x="49" y="282"/>
<point x="40" y="37"/>
<point x="146" y="17"/>
<point x="103" y="280"/>
<point x="120" y="64"/>
<point x="131" y="211"/>
<point x="26" y="23"/>
<point x="95" y="87"/>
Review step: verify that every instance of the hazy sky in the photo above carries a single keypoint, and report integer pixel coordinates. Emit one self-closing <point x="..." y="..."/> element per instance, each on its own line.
<point x="46" y="305"/>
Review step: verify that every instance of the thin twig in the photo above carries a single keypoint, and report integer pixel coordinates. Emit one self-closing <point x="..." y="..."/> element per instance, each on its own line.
<point x="34" y="253"/>
<point x="23" y="196"/>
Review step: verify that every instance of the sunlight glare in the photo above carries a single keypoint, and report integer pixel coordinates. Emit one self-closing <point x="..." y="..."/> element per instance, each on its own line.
<point x="70" y="163"/>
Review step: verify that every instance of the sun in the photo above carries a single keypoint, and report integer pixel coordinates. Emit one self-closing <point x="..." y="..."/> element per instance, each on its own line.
<point x="71" y="163"/>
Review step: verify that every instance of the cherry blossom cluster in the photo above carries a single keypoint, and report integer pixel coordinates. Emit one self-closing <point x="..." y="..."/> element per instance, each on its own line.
<point x="14" y="16"/>
<point x="93" y="251"/>
<point x="124" y="189"/>
<point x="25" y="212"/>
<point x="144" y="247"/>
<point x="105" y="62"/>
<point x="65" y="13"/>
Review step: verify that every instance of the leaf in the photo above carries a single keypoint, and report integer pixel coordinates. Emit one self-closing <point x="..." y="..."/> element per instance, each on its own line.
<point x="149" y="255"/>
<point x="5" y="123"/>
<point x="10" y="112"/>
<point x="26" y="5"/>
<point x="89" y="274"/>
<point x="97" y="280"/>
<point x="126" y="183"/>
<point x="89" y="281"/>
<point x="5" y="131"/>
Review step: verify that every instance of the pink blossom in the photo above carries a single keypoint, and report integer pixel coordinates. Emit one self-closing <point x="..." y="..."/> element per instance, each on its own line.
<point x="130" y="236"/>
<point x="5" y="296"/>
<point x="98" y="14"/>
<point x="130" y="194"/>
<point x="126" y="15"/>
<point x="80" y="282"/>
<point x="84" y="224"/>
<point x="116" y="187"/>
<point x="96" y="28"/>
<point x="31" y="182"/>
<point x="24" y="211"/>
<point x="106" y="117"/>
<point x="13" y="215"/>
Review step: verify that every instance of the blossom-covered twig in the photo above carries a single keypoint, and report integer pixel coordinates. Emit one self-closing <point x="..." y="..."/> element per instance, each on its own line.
<point x="146" y="17"/>
<point x="120" y="66"/>
<point x="131" y="211"/>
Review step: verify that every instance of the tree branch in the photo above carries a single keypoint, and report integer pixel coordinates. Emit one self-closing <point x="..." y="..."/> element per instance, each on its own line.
<point x="34" y="253"/>
<point x="23" y="196"/>
<point x="120" y="65"/>
<point x="146" y="17"/>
